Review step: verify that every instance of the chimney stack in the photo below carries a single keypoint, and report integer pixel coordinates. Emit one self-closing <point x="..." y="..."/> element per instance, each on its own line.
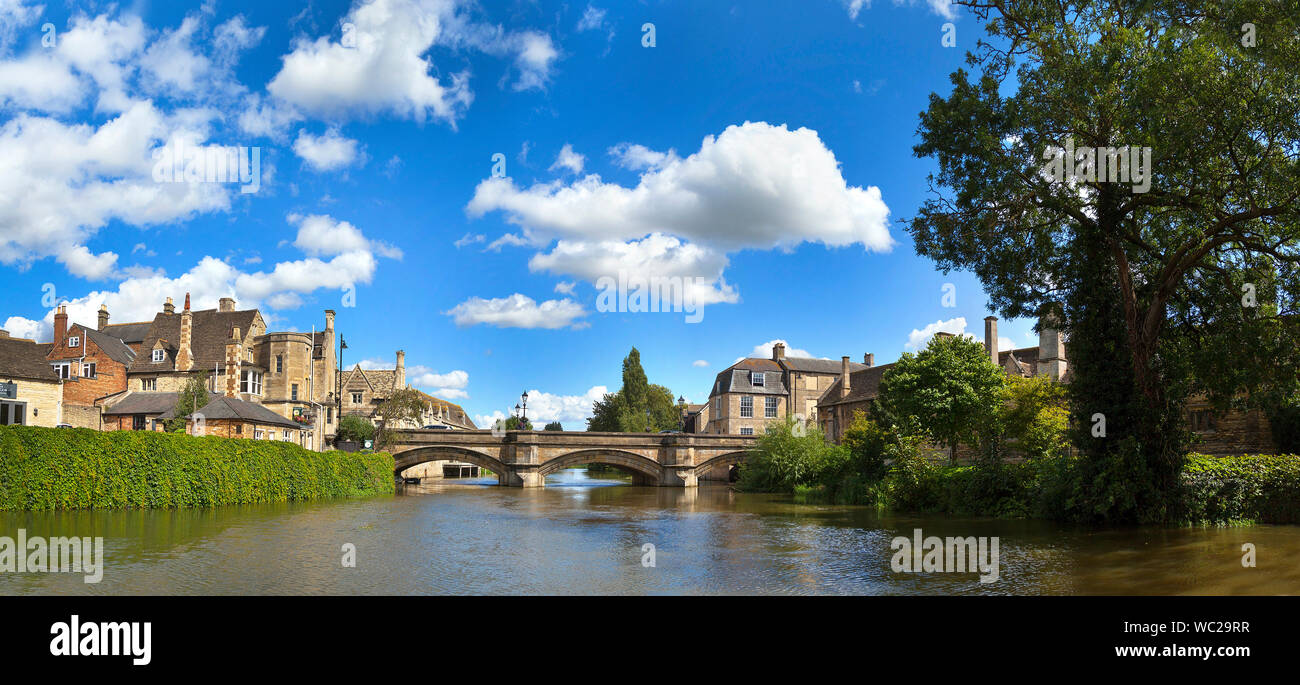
<point x="60" y="323"/>
<point x="329" y="319"/>
<point x="1051" y="348"/>
<point x="778" y="352"/>
<point x="184" y="355"/>
<point x="399" y="377"/>
<point x="227" y="304"/>
<point x="103" y="316"/>
<point x="869" y="359"/>
<point x="232" y="363"/>
<point x="991" y="338"/>
<point x="168" y="307"/>
<point x="844" y="376"/>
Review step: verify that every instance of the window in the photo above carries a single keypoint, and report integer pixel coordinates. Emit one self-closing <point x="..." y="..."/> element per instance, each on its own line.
<point x="137" y="422"/>
<point x="746" y="431"/>
<point x="746" y="407"/>
<point x="769" y="407"/>
<point x="148" y="383"/>
<point x="329" y="416"/>
<point x="279" y="363"/>
<point x="288" y="436"/>
<point x="74" y="341"/>
<point x="293" y="392"/>
<point x="12" y="413"/>
<point x="63" y="370"/>
<point x="88" y="370"/>
<point x="1203" y="421"/>
<point x="270" y="435"/>
<point x="756" y="378"/>
<point x="356" y="398"/>
<point x="717" y="406"/>
<point x="257" y="434"/>
<point x="250" y="382"/>
<point x="239" y="429"/>
<point x="158" y="356"/>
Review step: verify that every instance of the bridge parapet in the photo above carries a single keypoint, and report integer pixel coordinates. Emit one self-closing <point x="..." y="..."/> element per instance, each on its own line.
<point x="523" y="458"/>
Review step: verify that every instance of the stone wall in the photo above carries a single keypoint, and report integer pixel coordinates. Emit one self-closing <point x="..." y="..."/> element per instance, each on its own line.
<point x="44" y="400"/>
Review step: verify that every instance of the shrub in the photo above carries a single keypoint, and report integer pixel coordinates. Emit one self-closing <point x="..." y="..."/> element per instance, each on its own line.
<point x="1228" y="490"/>
<point x="355" y="429"/>
<point x="789" y="455"/>
<point x="46" y="468"/>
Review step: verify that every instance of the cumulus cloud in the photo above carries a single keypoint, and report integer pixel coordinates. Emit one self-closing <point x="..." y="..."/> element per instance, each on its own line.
<point x="639" y="157"/>
<point x="326" y="152"/>
<point x="545" y="407"/>
<point x="517" y="311"/>
<point x="919" y="338"/>
<point x="568" y="159"/>
<point x="321" y="234"/>
<point x="764" y="350"/>
<point x="699" y="268"/>
<point x="699" y="363"/>
<point x="378" y="63"/>
<point x="565" y="287"/>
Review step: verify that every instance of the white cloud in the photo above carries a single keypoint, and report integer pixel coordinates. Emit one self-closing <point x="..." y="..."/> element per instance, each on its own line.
<point x="764" y="350"/>
<point x="81" y="262"/>
<point x="753" y="186"/>
<point x="699" y="363"/>
<point x="655" y="256"/>
<point x="639" y="157"/>
<point x="1005" y="343"/>
<point x="20" y="327"/>
<point x="592" y="19"/>
<point x="469" y="239"/>
<point x="565" y="287"/>
<point x="14" y="14"/>
<point x="507" y="239"/>
<point x="856" y="6"/>
<point x="568" y="159"/>
<point x="517" y="311"/>
<point x="321" y="234"/>
<point x="327" y="152"/>
<point x="544" y="407"/>
<point x="918" y="339"/>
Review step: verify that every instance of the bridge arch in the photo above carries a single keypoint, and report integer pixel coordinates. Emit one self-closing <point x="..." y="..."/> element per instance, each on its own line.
<point x="728" y="458"/>
<point x="628" y="460"/>
<point x="414" y="457"/>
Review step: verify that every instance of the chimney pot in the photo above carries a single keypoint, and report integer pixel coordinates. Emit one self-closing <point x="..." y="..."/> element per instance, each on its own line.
<point x="168" y="307"/>
<point x="187" y="302"/>
<point x="227" y="304"/>
<point x="103" y="316"/>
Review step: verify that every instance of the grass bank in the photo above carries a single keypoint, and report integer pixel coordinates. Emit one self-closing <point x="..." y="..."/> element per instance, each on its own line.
<point x="46" y="468"/>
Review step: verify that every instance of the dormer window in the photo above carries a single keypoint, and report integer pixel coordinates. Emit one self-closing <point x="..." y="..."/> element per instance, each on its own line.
<point x="756" y="378"/>
<point x="158" y="356"/>
<point x="74" y="341"/>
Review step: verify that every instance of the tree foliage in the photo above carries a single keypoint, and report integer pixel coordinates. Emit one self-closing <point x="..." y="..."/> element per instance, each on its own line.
<point x="638" y="406"/>
<point x="192" y="397"/>
<point x="1151" y="286"/>
<point x="947" y="392"/>
<point x="355" y="429"/>
<point x="553" y="426"/>
<point x="405" y="406"/>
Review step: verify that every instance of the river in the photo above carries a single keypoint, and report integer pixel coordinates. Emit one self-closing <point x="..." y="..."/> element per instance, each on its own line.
<point x="587" y="534"/>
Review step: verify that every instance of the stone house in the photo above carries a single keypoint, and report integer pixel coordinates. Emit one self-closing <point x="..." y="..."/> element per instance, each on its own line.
<point x="750" y="393"/>
<point x="231" y="417"/>
<point x="92" y="365"/>
<point x="1216" y="433"/>
<point x="289" y="373"/>
<point x="31" y="393"/>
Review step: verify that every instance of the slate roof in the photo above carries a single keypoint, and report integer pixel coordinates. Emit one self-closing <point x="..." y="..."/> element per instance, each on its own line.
<point x="865" y="384"/>
<point x="23" y="358"/>
<point x="211" y="330"/>
<point x="115" y="348"/>
<point x="230" y="408"/>
<point x="808" y="365"/>
<point x="129" y="333"/>
<point x="143" y="403"/>
<point x="736" y="378"/>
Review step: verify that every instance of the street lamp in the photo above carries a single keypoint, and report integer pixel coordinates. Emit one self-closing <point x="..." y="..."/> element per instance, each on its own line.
<point x="523" y="415"/>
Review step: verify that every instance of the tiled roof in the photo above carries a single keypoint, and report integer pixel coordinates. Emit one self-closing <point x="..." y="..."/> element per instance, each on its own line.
<point x="736" y="378"/>
<point x="22" y="358"/>
<point x="819" y="365"/>
<point x="143" y="403"/>
<point x="115" y="348"/>
<point x="865" y="384"/>
<point x="211" y="330"/>
<point x="129" y="333"/>
<point x="230" y="408"/>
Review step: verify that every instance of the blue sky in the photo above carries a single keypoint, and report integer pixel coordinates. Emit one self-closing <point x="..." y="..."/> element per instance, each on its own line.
<point x="762" y="150"/>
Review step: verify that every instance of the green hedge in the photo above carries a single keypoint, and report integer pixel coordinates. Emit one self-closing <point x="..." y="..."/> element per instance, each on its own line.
<point x="47" y="468"/>
<point x="1226" y="490"/>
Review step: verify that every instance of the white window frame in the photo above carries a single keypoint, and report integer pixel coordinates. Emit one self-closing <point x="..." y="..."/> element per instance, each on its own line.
<point x="250" y="382"/>
<point x="758" y="379"/>
<point x="158" y="356"/>
<point x="148" y="383"/>
<point x="63" y="370"/>
<point x="257" y="433"/>
<point x="747" y="400"/>
<point x="74" y="341"/>
<point x="769" y="407"/>
<point x="746" y="431"/>
<point x="88" y="369"/>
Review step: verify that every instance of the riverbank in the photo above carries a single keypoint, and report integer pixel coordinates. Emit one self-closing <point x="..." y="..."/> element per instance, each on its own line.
<point x="1232" y="491"/>
<point x="48" y="468"/>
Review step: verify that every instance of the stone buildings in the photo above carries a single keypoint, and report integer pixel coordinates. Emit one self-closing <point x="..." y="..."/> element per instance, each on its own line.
<point x="750" y="393"/>
<point x="92" y="364"/>
<point x="31" y="393"/>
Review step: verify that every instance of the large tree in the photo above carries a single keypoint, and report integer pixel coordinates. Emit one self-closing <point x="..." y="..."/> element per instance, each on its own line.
<point x="638" y="405"/>
<point x="1186" y="285"/>
<point x="406" y="406"/>
<point x="947" y="392"/>
<point x="192" y="397"/>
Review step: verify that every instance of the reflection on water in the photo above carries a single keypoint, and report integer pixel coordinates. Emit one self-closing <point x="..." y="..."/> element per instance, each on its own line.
<point x="584" y="533"/>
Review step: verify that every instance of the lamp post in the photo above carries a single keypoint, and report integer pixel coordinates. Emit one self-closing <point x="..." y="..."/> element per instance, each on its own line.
<point x="338" y="382"/>
<point x="523" y="412"/>
<point x="681" y="410"/>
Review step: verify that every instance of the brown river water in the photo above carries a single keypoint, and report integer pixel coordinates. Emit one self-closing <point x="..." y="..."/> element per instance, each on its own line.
<point x="588" y="534"/>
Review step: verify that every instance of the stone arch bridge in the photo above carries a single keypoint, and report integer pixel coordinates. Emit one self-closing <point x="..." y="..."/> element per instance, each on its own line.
<point x="525" y="458"/>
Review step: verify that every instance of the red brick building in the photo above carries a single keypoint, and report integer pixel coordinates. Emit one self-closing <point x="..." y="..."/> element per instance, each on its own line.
<point x="92" y="365"/>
